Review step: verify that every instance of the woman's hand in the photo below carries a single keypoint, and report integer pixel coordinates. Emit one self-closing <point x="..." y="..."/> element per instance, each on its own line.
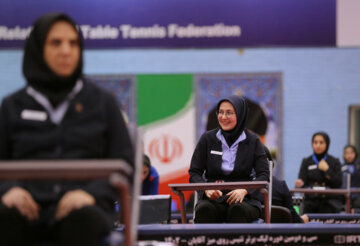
<point x="72" y="200"/>
<point x="213" y="194"/>
<point x="236" y="196"/>
<point x="22" y="200"/>
<point x="299" y="183"/>
<point x="323" y="165"/>
<point x="305" y="218"/>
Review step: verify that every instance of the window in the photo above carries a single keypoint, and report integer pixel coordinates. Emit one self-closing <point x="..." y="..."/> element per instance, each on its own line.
<point x="354" y="132"/>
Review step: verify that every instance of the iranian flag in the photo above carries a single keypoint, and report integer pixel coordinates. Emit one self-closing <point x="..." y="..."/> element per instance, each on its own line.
<point x="166" y="114"/>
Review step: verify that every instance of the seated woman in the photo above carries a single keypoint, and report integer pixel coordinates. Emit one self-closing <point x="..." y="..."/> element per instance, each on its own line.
<point x="58" y="115"/>
<point x="320" y="170"/>
<point x="352" y="166"/>
<point x="226" y="154"/>
<point x="149" y="178"/>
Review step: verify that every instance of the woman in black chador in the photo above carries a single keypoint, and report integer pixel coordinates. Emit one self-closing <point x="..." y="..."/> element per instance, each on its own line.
<point x="58" y="115"/>
<point x="319" y="171"/>
<point x="224" y="154"/>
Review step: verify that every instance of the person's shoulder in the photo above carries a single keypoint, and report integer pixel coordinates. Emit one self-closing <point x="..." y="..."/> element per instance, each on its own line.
<point x="357" y="165"/>
<point x="276" y="181"/>
<point x="308" y="158"/>
<point x="210" y="135"/>
<point x="16" y="96"/>
<point x="332" y="158"/>
<point x="153" y="172"/>
<point x="251" y="138"/>
<point x="279" y="182"/>
<point x="91" y="87"/>
<point x="92" y="90"/>
<point x="250" y="135"/>
<point x="284" y="184"/>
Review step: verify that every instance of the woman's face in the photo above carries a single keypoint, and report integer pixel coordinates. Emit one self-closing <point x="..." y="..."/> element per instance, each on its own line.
<point x="349" y="155"/>
<point x="227" y="116"/>
<point x="62" y="49"/>
<point x="319" y="144"/>
<point x="145" y="172"/>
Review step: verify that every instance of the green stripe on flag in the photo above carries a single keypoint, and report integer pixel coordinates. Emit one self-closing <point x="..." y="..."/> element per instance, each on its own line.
<point x="162" y="95"/>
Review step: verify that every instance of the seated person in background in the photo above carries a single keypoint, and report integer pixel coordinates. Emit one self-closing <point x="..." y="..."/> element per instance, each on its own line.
<point x="352" y="166"/>
<point x="149" y="178"/>
<point x="281" y="195"/>
<point x="320" y="170"/>
<point x="226" y="154"/>
<point x="58" y="115"/>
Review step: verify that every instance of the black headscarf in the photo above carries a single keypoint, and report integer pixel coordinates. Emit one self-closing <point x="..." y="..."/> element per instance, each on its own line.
<point x="327" y="140"/>
<point x="241" y="110"/>
<point x="36" y="71"/>
<point x="147" y="163"/>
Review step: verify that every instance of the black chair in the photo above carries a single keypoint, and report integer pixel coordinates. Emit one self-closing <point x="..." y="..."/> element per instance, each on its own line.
<point x="279" y="214"/>
<point x="155" y="209"/>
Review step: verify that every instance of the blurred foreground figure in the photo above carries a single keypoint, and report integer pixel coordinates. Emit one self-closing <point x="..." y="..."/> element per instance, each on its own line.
<point x="58" y="115"/>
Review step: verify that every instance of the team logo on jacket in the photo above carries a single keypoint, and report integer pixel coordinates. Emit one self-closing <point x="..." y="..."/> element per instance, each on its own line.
<point x="165" y="148"/>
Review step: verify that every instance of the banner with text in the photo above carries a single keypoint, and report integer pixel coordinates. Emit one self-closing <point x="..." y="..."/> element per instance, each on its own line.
<point x="160" y="23"/>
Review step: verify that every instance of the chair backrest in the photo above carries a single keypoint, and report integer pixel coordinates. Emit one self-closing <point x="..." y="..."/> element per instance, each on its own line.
<point x="298" y="203"/>
<point x="346" y="180"/>
<point x="196" y="198"/>
<point x="279" y="214"/>
<point x="155" y="209"/>
<point x="271" y="164"/>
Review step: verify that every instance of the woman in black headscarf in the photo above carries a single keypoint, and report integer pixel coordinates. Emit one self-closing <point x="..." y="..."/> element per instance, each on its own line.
<point x="320" y="170"/>
<point x="58" y="115"/>
<point x="352" y="166"/>
<point x="42" y="71"/>
<point x="351" y="162"/>
<point x="225" y="154"/>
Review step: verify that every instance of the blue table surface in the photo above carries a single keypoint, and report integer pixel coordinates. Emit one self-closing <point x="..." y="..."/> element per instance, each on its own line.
<point x="311" y="228"/>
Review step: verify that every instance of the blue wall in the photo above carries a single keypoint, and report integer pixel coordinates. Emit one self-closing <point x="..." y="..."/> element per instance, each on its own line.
<point x="318" y="84"/>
